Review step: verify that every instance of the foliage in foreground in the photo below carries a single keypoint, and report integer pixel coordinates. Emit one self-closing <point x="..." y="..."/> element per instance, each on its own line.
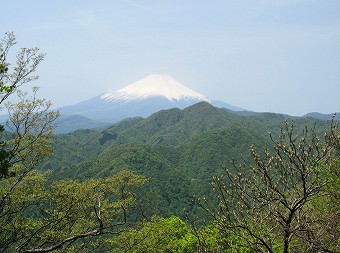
<point x="286" y="201"/>
<point x="157" y="235"/>
<point x="11" y="78"/>
<point x="37" y="217"/>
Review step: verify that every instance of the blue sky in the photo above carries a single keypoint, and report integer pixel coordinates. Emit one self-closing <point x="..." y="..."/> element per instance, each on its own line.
<point x="263" y="55"/>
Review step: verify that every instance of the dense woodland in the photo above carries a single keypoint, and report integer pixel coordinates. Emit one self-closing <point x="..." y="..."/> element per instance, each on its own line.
<point x="202" y="179"/>
<point x="178" y="151"/>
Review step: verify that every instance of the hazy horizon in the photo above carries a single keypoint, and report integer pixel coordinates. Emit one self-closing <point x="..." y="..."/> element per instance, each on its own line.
<point x="275" y="56"/>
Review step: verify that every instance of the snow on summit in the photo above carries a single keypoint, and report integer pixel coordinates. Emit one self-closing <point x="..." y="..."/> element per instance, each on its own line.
<point x="154" y="85"/>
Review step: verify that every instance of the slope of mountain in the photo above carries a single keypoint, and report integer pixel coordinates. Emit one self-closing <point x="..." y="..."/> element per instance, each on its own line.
<point x="322" y="116"/>
<point x="141" y="98"/>
<point x="70" y="123"/>
<point x="178" y="150"/>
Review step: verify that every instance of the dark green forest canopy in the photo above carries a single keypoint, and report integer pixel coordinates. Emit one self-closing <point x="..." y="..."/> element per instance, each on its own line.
<point x="178" y="150"/>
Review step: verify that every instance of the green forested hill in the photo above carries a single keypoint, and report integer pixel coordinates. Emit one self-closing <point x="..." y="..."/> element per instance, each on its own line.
<point x="178" y="150"/>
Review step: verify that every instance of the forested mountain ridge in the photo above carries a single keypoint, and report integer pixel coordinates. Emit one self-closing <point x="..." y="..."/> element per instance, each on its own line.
<point x="117" y="189"/>
<point x="321" y="116"/>
<point x="178" y="150"/>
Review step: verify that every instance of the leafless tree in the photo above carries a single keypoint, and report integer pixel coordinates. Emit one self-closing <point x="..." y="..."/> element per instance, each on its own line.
<point x="273" y="204"/>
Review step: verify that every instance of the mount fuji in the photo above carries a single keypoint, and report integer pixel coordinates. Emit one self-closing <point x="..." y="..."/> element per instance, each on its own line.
<point x="142" y="98"/>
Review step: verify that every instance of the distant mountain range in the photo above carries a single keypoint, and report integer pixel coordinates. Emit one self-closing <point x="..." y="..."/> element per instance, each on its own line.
<point x="322" y="116"/>
<point x="142" y="98"/>
<point x="70" y="123"/>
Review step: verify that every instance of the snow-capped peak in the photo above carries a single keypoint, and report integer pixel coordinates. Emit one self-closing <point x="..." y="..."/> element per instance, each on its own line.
<point x="154" y="85"/>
